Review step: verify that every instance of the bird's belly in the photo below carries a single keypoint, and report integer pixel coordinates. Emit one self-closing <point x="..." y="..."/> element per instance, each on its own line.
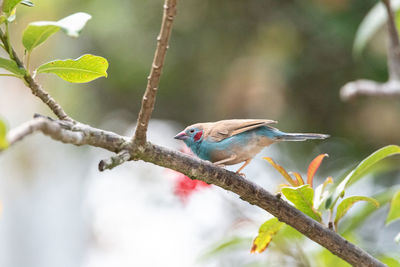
<point x="241" y="150"/>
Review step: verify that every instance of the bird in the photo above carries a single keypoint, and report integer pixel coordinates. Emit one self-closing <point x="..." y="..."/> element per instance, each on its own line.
<point x="229" y="142"/>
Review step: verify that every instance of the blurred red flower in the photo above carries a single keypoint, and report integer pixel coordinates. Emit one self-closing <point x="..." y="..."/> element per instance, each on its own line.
<point x="184" y="186"/>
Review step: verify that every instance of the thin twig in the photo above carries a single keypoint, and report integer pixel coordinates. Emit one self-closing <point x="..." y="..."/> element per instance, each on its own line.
<point x="114" y="161"/>
<point x="369" y="88"/>
<point x="373" y="88"/>
<point x="155" y="73"/>
<point x="36" y="89"/>
<point x="79" y="134"/>
<point x="393" y="53"/>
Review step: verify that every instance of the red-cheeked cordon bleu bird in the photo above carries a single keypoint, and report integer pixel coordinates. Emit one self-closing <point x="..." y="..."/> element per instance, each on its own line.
<point x="229" y="142"/>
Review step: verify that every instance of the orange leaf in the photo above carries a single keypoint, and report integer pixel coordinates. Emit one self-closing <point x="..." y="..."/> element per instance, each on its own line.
<point x="313" y="167"/>
<point x="282" y="171"/>
<point x="298" y="177"/>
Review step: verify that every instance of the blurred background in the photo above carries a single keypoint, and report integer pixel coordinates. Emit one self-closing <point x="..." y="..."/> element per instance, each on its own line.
<point x="281" y="60"/>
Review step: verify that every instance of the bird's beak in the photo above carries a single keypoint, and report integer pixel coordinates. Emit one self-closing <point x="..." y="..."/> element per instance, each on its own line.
<point x="181" y="136"/>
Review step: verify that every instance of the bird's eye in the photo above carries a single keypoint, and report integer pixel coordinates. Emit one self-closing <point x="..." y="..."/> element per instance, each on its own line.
<point x="191" y="131"/>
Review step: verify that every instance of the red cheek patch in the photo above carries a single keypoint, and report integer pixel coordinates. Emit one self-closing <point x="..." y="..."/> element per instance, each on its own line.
<point x="198" y="136"/>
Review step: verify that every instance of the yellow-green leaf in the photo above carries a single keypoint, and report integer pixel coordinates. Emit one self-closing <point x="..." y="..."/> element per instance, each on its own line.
<point x="11" y="66"/>
<point x="9" y="5"/>
<point x="81" y="70"/>
<point x="3" y="19"/>
<point x="390" y="261"/>
<point x="38" y="32"/>
<point x="302" y="198"/>
<point x="394" y="212"/>
<point x="265" y="235"/>
<point x="359" y="171"/>
<point x="347" y="203"/>
<point x="3" y="132"/>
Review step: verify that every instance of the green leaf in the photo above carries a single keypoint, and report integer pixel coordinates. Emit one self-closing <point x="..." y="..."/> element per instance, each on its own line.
<point x="81" y="70"/>
<point x="373" y="21"/>
<point x="390" y="261"/>
<point x="38" y="32"/>
<point x="302" y="198"/>
<point x="321" y="194"/>
<point x="3" y="19"/>
<point x="3" y="132"/>
<point x="347" y="203"/>
<point x="9" y="5"/>
<point x="232" y="243"/>
<point x="359" y="171"/>
<point x="394" y="212"/>
<point x="360" y="216"/>
<point x="11" y="17"/>
<point x="11" y="66"/>
<point x="265" y="235"/>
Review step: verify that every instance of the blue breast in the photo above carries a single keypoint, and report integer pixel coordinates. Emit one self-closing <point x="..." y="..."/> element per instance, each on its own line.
<point x="208" y="149"/>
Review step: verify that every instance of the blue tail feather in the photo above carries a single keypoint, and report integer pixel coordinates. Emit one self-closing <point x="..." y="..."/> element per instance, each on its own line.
<point x="276" y="134"/>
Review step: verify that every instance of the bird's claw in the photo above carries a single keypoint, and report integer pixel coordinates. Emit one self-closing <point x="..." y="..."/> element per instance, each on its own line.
<point x="242" y="174"/>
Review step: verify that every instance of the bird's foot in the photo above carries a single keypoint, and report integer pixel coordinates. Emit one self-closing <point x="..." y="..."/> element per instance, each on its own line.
<point x="241" y="174"/>
<point x="220" y="165"/>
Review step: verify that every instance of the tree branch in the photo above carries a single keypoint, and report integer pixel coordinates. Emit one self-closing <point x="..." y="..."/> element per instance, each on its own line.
<point x="80" y="134"/>
<point x="393" y="53"/>
<point x="36" y="89"/>
<point x="70" y="133"/>
<point x="149" y="97"/>
<point x="114" y="161"/>
<point x="372" y="88"/>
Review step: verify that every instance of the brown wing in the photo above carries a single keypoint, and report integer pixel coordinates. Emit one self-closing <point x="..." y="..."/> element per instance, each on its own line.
<point x="227" y="128"/>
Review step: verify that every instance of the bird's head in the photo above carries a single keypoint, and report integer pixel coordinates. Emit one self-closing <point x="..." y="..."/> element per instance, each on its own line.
<point x="191" y="135"/>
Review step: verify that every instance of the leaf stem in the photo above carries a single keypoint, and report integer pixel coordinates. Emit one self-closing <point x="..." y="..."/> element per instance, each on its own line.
<point x="9" y="75"/>
<point x="7" y="39"/>
<point x="28" y="61"/>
